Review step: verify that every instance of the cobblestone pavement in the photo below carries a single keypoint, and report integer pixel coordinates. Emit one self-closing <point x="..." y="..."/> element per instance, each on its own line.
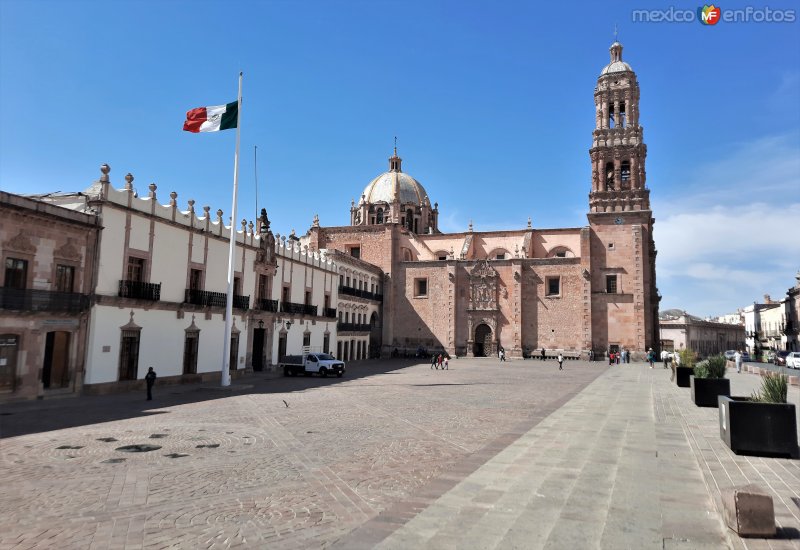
<point x="245" y="469"/>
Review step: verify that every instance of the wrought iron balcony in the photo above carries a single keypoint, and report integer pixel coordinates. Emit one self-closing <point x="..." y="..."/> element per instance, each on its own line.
<point x="352" y="327"/>
<point x="42" y="300"/>
<point x="139" y="290"/>
<point x="300" y="309"/>
<point x="267" y="305"/>
<point x="329" y="312"/>
<point x="350" y="291"/>
<point x="215" y="299"/>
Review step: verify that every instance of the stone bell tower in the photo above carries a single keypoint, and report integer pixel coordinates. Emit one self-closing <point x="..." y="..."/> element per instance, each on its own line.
<point x="618" y="151"/>
<point x="622" y="252"/>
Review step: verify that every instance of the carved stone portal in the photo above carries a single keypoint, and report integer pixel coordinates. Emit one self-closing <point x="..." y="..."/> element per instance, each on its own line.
<point x="483" y="287"/>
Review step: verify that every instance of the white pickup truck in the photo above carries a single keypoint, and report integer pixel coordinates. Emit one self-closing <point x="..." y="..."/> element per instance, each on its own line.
<point x="321" y="363"/>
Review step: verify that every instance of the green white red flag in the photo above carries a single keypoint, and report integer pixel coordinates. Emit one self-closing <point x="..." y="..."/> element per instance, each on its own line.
<point x="212" y="119"/>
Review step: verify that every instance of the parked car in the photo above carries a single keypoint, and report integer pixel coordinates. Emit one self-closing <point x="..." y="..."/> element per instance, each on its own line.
<point x="729" y="354"/>
<point x="793" y="360"/>
<point x="780" y="358"/>
<point x="745" y="356"/>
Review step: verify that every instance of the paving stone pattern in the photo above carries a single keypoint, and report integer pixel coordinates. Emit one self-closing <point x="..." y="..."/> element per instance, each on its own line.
<point x="244" y="470"/>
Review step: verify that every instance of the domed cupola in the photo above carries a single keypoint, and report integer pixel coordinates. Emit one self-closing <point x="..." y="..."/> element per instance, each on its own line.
<point x="395" y="197"/>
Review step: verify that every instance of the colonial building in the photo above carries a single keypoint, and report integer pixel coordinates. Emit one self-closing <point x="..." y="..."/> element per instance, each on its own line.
<point x="680" y="330"/>
<point x="572" y="289"/>
<point x="160" y="295"/>
<point x="359" y="307"/>
<point x="48" y="256"/>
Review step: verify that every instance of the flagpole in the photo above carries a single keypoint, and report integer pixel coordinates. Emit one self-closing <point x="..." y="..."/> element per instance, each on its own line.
<point x="225" y="377"/>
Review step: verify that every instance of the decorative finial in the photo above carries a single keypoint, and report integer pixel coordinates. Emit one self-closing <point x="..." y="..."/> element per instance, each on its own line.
<point x="615" y="33"/>
<point x="529" y="222"/>
<point x="219" y="215"/>
<point x="152" y="188"/>
<point x="315" y="223"/>
<point x="172" y="196"/>
<point x="395" y="145"/>
<point x="470" y="226"/>
<point x="129" y="181"/>
<point x="104" y="169"/>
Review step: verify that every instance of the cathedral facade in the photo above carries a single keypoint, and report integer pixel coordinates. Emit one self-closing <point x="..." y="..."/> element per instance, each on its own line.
<point x="565" y="289"/>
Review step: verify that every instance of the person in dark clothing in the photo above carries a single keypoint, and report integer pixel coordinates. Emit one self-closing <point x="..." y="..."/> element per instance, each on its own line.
<point x="433" y="361"/>
<point x="542" y="354"/>
<point x="150" y="379"/>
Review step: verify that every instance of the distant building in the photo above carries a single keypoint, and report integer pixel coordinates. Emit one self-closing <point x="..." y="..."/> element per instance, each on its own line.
<point x="680" y="330"/>
<point x="48" y="275"/>
<point x="792" y="327"/>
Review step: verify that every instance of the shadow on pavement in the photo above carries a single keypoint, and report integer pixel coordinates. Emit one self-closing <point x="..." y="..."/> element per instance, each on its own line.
<point x="29" y="417"/>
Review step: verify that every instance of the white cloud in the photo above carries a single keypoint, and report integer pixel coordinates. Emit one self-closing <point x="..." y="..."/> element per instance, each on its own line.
<point x="738" y="236"/>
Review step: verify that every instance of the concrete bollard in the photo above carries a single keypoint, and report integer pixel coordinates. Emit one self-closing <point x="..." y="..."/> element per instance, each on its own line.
<point x="749" y="511"/>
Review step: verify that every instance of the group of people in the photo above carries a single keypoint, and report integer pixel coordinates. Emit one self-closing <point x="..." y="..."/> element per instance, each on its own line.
<point x="617" y="357"/>
<point x="440" y="361"/>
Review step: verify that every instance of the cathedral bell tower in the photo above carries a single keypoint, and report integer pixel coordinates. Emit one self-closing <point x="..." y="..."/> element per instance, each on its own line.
<point x="618" y="152"/>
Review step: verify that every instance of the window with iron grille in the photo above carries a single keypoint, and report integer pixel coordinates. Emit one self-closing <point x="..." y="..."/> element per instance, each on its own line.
<point x="65" y="278"/>
<point x="16" y="273"/>
<point x="611" y="284"/>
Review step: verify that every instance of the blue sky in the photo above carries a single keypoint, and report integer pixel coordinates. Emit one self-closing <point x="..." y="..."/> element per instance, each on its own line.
<point x="492" y="104"/>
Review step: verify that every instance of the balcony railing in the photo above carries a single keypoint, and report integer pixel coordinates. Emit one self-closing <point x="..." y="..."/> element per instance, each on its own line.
<point x="42" y="300"/>
<point x="329" y="312"/>
<point x="140" y="291"/>
<point x="300" y="309"/>
<point x="352" y="327"/>
<point x="215" y="299"/>
<point x="267" y="305"/>
<point x="350" y="291"/>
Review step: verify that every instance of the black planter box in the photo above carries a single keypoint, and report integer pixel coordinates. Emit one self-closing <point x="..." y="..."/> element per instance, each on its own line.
<point x="682" y="375"/>
<point x="706" y="390"/>
<point x="763" y="429"/>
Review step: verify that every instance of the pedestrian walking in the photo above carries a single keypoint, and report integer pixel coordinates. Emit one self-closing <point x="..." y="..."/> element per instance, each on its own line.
<point x="150" y="379"/>
<point x="737" y="358"/>
<point x="610" y="357"/>
<point x="560" y="362"/>
<point x="591" y="355"/>
<point x="502" y="354"/>
<point x="446" y="363"/>
<point x="433" y="361"/>
<point x="665" y="357"/>
<point x="439" y="361"/>
<point x="651" y="356"/>
<point x="542" y="354"/>
<point x="617" y="358"/>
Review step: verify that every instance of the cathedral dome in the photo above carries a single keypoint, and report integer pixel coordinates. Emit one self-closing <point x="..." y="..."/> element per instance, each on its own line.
<point x="617" y="65"/>
<point x="395" y="185"/>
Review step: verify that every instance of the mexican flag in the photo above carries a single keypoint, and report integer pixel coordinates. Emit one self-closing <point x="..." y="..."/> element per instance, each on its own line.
<point x="212" y="119"/>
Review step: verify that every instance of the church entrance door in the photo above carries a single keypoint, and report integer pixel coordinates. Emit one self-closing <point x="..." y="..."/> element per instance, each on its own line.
<point x="483" y="341"/>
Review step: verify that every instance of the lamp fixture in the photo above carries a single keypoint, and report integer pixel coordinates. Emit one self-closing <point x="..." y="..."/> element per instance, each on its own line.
<point x="260" y="323"/>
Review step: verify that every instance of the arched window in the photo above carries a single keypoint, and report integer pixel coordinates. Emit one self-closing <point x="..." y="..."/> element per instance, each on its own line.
<point x="560" y="252"/>
<point x="625" y="171"/>
<point x="379" y="216"/>
<point x="410" y="219"/>
<point x="610" y="175"/>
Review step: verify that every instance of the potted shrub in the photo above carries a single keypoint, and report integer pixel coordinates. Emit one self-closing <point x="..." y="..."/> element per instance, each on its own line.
<point x="763" y="424"/>
<point x="687" y="359"/>
<point x="708" y="381"/>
